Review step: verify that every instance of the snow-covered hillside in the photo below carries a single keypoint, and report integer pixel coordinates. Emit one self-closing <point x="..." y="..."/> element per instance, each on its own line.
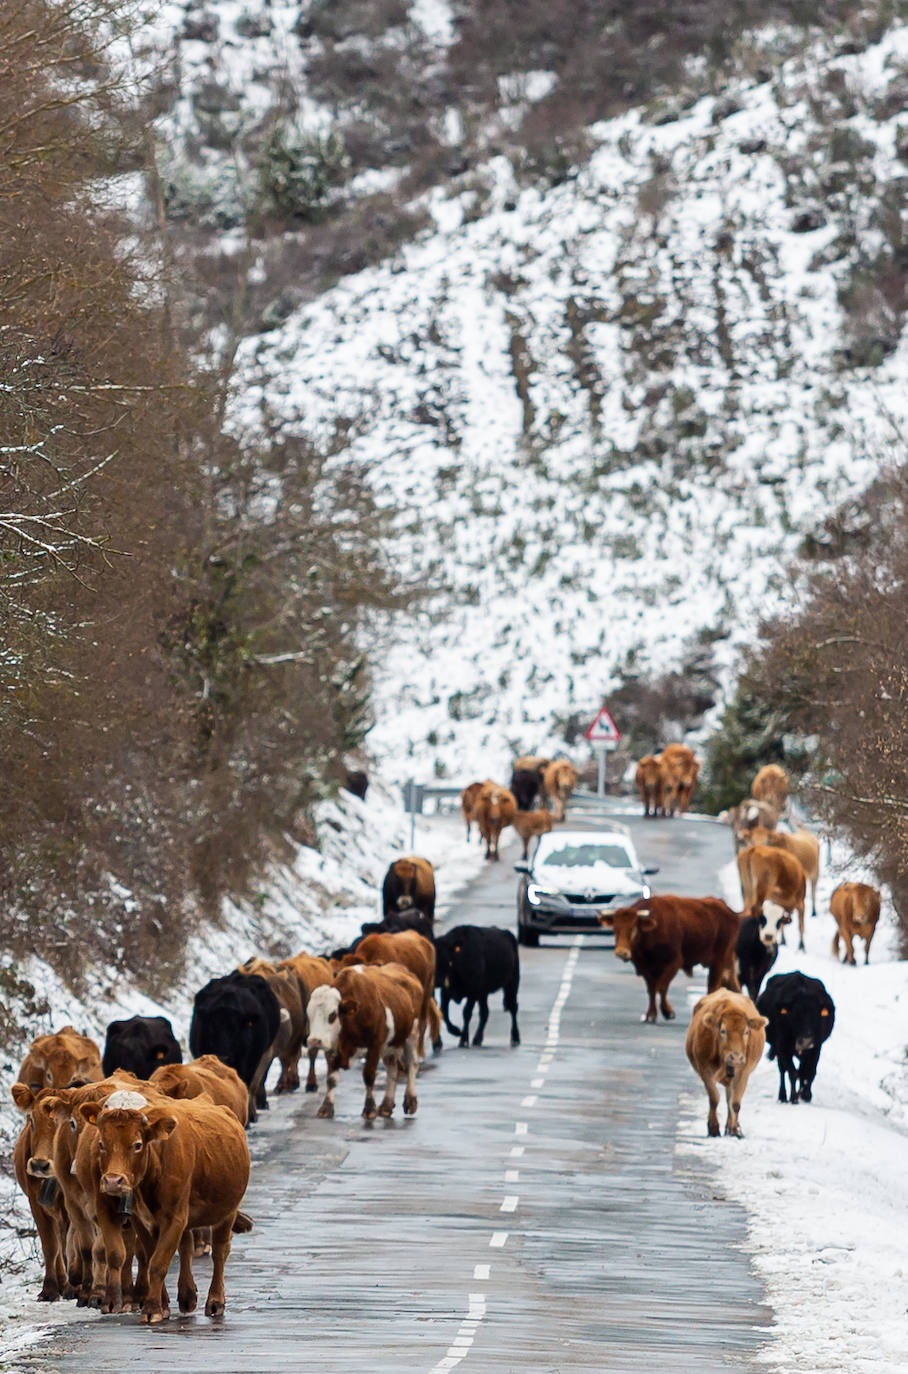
<point x="607" y="411"/>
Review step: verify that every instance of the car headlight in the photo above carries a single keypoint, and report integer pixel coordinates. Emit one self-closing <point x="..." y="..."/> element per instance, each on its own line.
<point x="535" y="893"/>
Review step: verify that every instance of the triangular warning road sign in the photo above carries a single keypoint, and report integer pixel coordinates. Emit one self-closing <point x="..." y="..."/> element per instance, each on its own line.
<point x="603" y="730"/>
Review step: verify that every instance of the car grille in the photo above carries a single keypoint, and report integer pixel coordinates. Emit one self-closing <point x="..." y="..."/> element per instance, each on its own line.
<point x="589" y="898"/>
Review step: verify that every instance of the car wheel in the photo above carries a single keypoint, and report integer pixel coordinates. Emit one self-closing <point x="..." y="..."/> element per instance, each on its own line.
<point x="526" y="936"/>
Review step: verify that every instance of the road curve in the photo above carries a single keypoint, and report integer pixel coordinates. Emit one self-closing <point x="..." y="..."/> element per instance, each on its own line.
<point x="532" y="1216"/>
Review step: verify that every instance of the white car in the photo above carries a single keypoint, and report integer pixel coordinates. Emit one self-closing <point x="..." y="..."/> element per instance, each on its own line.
<point x="572" y="876"/>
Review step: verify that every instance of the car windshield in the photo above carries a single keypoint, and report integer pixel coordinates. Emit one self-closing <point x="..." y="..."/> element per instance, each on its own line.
<point x="586" y="855"/>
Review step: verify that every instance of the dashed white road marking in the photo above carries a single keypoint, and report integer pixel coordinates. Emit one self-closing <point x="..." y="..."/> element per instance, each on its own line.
<point x="482" y="1271"/>
<point x="463" y="1341"/>
<point x="537" y="1082"/>
<point x="521" y="1127"/>
<point x="510" y="1203"/>
<point x="529" y="1101"/>
<point x="517" y="1151"/>
<point x="512" y="1175"/>
<point x="499" y="1238"/>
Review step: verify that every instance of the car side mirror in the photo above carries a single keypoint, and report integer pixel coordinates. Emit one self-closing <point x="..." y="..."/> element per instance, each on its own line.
<point x="648" y="872"/>
<point x="521" y="868"/>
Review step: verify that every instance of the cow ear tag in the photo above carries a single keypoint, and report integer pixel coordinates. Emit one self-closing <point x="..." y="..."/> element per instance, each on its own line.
<point x="825" y="1011"/>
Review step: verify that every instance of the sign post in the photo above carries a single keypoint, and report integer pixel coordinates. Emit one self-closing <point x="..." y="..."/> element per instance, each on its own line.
<point x="604" y="735"/>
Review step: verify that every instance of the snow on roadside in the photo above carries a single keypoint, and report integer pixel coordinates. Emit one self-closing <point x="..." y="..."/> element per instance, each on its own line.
<point x="316" y="900"/>
<point x="824" y="1185"/>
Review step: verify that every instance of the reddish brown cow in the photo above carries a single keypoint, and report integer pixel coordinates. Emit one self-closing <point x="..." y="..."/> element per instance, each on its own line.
<point x="559" y="779"/>
<point x="724" y="1043"/>
<point x="746" y="817"/>
<point x="207" y="1074"/>
<point x="660" y="935"/>
<point x="44" y="1198"/>
<point x="414" y="953"/>
<point x="311" y="972"/>
<point x="376" y="1010"/>
<point x="288" y="1042"/>
<point x="530" y="823"/>
<point x="679" y="771"/>
<point x="61" y="1060"/>
<point x="856" y="908"/>
<point x="771" y="875"/>
<point x="184" y="1165"/>
<point x="802" y="844"/>
<point x="771" y="785"/>
<point x="409" y="882"/>
<point x="648" y="778"/>
<point x="468" y="799"/>
<point x="495" y="809"/>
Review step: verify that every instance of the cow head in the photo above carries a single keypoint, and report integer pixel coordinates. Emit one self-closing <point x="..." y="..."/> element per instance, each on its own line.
<point x="323" y="1011"/>
<point x="56" y="1065"/>
<point x="628" y="923"/>
<point x="770" y="922"/>
<point x="125" y="1136"/>
<point x="733" y="1029"/>
<point x="38" y="1108"/>
<point x="807" y="1022"/>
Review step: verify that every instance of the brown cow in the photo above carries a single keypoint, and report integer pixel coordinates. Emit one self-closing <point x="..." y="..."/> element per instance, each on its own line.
<point x="311" y="972"/>
<point x="804" y="846"/>
<point x="288" y="1043"/>
<point x="559" y="779"/>
<point x="746" y="817"/>
<point x="409" y="882"/>
<point x="468" y="803"/>
<point x="679" y="771"/>
<point x="772" y="875"/>
<point x="530" y="823"/>
<point x="725" y="1041"/>
<point x="495" y="809"/>
<point x="376" y="1010"/>
<point x="184" y="1165"/>
<point x="414" y="953"/>
<point x="207" y="1074"/>
<point x="660" y="935"/>
<point x="61" y="1060"/>
<point x="856" y="908"/>
<point x="648" y="778"/>
<point x="43" y="1196"/>
<point x="771" y="785"/>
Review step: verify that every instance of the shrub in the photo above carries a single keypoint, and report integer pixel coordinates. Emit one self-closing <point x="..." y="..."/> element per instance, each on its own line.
<point x="298" y="171"/>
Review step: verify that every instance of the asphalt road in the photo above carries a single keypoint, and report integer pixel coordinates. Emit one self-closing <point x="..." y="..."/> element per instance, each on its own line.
<point x="532" y="1216"/>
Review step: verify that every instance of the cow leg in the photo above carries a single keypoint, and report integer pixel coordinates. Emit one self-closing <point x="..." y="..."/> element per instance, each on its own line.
<point x="510" y="1005"/>
<point x="787" y="1066"/>
<point x="801" y="925"/>
<point x="813" y="895"/>
<point x="98" y="1275"/>
<point x="49" y="1236"/>
<point x="835" y="945"/>
<point x="201" y="1238"/>
<point x="483" y="1018"/>
<point x="712" y="1119"/>
<point x="187" y="1293"/>
<point x="467" y="1013"/>
<point x="650" y="1014"/>
<point x="445" y="1011"/>
<point x="220" y="1249"/>
<point x="411" y="1064"/>
<point x="849" y="948"/>
<point x="312" y="1077"/>
<point x="370" y="1067"/>
<point x="782" y="1093"/>
<point x="809" y="1061"/>
<point x="113" y="1250"/>
<point x="155" y="1307"/>
<point x="733" y="1093"/>
<point x="867" y="947"/>
<point x="327" y="1107"/>
<point x="662" y="987"/>
<point x="392" y="1069"/>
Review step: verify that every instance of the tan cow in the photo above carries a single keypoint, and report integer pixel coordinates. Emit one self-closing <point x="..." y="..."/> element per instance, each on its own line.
<point x="410" y="881"/>
<point x="559" y="779"/>
<point x="495" y="809"/>
<point x="725" y="1042"/>
<point x="414" y="953"/>
<point x="184" y="1165"/>
<point x="530" y="823"/>
<point x="43" y="1196"/>
<point x="856" y="908"/>
<point x="803" y="845"/>
<point x="771" y="785"/>
<point x="288" y="1042"/>
<point x="771" y="875"/>
<point x="376" y="1010"/>
<point x="61" y="1060"/>
<point x="468" y="799"/>
<point x="311" y="972"/>
<point x="679" y="771"/>
<point x="648" y="778"/>
<point x="207" y="1074"/>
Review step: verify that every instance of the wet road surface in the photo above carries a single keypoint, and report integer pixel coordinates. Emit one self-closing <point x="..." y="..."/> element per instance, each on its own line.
<point x="532" y="1216"/>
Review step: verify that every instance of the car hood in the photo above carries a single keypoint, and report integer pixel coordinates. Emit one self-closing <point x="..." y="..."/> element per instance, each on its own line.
<point x="597" y="878"/>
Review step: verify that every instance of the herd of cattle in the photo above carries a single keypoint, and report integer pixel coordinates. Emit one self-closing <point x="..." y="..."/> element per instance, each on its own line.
<point x="729" y="1028"/>
<point x="129" y="1157"/>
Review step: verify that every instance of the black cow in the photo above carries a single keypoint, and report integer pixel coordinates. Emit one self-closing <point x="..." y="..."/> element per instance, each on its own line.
<point x="357" y="782"/>
<point x="237" y="1018"/>
<point x="525" y="785"/>
<point x="140" y="1045"/>
<point x="472" y="962"/>
<point x="801" y="1016"/>
<point x="756" y="951"/>
<point x="406" y="918"/>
